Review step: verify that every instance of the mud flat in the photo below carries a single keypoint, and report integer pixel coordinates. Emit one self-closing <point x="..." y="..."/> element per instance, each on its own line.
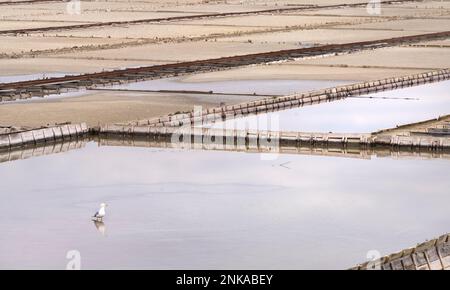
<point x="97" y="107"/>
<point x="395" y="57"/>
<point x="362" y="66"/>
<point x="103" y="107"/>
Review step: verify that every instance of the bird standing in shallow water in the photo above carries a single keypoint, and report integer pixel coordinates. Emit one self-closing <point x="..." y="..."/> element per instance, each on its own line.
<point x="100" y="214"/>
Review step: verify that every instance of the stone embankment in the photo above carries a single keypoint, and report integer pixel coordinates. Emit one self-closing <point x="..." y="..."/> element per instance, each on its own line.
<point x="249" y="137"/>
<point x="431" y="255"/>
<point x="11" y="137"/>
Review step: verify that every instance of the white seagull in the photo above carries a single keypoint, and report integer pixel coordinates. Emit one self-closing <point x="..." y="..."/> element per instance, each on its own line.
<point x="100" y="214"/>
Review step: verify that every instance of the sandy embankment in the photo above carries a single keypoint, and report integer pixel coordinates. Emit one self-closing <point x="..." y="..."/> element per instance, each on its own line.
<point x="106" y="107"/>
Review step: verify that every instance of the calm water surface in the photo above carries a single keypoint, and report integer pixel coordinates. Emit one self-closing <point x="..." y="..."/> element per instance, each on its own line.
<point x="363" y="114"/>
<point x="260" y="87"/>
<point x="216" y="210"/>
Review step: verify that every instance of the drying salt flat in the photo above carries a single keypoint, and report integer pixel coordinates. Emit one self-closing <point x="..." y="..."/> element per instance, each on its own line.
<point x="214" y="210"/>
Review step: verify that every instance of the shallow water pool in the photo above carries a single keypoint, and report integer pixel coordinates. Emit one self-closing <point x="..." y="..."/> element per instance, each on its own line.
<point x="173" y="209"/>
<point x="364" y="114"/>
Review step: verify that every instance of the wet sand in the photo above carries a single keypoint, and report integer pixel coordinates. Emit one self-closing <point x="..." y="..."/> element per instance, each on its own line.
<point x="102" y="107"/>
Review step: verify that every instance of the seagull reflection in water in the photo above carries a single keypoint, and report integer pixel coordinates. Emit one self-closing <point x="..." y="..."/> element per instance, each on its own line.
<point x="101" y="228"/>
